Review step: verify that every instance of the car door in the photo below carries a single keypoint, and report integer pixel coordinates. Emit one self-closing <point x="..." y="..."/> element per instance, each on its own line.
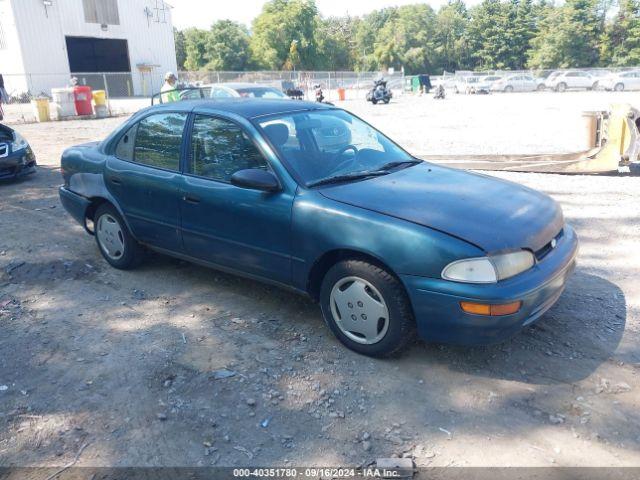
<point x="143" y="175"/>
<point x="583" y="80"/>
<point x="230" y="226"/>
<point x="633" y="81"/>
<point x="516" y="81"/>
<point x="528" y="83"/>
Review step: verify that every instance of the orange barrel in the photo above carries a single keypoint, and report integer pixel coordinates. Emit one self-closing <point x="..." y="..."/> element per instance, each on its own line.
<point x="342" y="94"/>
<point x="83" y="98"/>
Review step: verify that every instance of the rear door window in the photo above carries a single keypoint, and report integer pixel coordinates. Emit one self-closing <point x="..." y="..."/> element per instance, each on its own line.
<point x="159" y="139"/>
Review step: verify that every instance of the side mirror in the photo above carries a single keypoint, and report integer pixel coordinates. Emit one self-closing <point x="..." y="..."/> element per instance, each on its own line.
<point x="256" y="179"/>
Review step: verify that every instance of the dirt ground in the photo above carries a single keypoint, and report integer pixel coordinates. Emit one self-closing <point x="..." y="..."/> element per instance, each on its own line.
<point x="176" y="365"/>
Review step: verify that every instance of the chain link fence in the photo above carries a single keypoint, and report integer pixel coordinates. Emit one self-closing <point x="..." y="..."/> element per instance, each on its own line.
<point x="23" y="88"/>
<point x="127" y="92"/>
<point x="540" y="79"/>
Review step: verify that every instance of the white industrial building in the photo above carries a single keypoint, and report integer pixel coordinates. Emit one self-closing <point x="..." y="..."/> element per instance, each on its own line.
<point x="43" y="43"/>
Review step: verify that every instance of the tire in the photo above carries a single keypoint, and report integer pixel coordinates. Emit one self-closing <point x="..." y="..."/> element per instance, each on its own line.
<point x="594" y="86"/>
<point x="619" y="87"/>
<point x="508" y="89"/>
<point x="541" y="88"/>
<point x="375" y="291"/>
<point x="561" y="87"/>
<point x="374" y="101"/>
<point x="386" y="101"/>
<point x="115" y="242"/>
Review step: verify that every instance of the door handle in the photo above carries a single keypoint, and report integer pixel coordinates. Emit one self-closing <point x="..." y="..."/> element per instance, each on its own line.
<point x="115" y="180"/>
<point x="191" y="199"/>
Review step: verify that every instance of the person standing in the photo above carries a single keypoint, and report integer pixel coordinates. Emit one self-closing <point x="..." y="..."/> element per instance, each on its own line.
<point x="169" y="93"/>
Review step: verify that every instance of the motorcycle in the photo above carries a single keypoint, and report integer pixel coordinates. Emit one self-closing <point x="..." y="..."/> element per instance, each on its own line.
<point x="379" y="92"/>
<point x="319" y="93"/>
<point x="440" y="94"/>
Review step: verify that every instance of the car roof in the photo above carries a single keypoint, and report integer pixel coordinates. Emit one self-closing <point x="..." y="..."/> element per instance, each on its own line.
<point x="245" y="107"/>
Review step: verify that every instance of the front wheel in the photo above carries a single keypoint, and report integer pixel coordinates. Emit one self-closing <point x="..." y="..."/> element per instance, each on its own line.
<point x="366" y="308"/>
<point x="117" y="245"/>
<point x="508" y="89"/>
<point x="619" y="87"/>
<point x="561" y="87"/>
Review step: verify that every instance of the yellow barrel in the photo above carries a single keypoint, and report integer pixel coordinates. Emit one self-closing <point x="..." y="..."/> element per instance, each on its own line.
<point x="41" y="109"/>
<point x="99" y="97"/>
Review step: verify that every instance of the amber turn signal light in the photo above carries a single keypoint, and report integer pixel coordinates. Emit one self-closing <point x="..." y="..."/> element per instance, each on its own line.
<point x="491" y="310"/>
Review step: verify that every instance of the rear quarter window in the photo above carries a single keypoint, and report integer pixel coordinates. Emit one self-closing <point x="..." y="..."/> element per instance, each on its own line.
<point x="126" y="144"/>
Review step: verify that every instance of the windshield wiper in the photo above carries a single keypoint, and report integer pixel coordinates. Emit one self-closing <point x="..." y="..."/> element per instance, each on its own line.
<point x="408" y="163"/>
<point x="348" y="177"/>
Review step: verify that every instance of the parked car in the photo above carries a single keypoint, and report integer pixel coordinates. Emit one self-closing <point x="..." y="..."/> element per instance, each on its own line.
<point x="233" y="90"/>
<point x="518" y="82"/>
<point x="575" y="79"/>
<point x="620" y="81"/>
<point x="309" y="197"/>
<point x="483" y="84"/>
<point x="474" y="85"/>
<point x="16" y="156"/>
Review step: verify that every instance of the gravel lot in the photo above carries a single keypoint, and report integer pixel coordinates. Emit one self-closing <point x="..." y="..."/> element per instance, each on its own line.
<point x="127" y="368"/>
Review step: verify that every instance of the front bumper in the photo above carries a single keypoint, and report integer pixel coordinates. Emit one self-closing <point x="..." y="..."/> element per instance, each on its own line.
<point x="17" y="164"/>
<point x="436" y="302"/>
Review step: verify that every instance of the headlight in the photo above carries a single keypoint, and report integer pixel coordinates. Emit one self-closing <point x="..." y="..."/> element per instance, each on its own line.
<point x="19" y="142"/>
<point x="489" y="269"/>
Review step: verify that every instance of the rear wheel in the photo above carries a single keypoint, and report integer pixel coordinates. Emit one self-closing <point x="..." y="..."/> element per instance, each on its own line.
<point x="540" y="87"/>
<point x="561" y="87"/>
<point x="508" y="89"/>
<point x="619" y="87"/>
<point x="117" y="245"/>
<point x="366" y="308"/>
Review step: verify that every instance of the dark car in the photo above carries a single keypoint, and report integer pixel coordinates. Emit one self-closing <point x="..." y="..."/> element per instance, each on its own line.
<point x="232" y="90"/>
<point x="16" y="157"/>
<point x="310" y="197"/>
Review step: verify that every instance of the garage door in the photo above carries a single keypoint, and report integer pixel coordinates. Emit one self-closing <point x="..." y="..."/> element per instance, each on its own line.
<point x="98" y="55"/>
<point x="89" y="55"/>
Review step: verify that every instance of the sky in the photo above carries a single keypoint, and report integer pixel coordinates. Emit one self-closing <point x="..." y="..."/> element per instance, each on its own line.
<point x="202" y="13"/>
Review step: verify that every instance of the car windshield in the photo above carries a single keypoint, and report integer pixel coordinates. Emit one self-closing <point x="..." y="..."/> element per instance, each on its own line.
<point x="260" y="92"/>
<point x="321" y="146"/>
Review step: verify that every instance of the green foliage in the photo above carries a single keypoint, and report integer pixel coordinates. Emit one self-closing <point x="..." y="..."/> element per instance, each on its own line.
<point x="336" y="43"/>
<point x="227" y="46"/>
<point x="495" y="34"/>
<point x="451" y="48"/>
<point x="196" y="48"/>
<point x="621" y="40"/>
<point x="181" y="49"/>
<point x="568" y="37"/>
<point x="282" y="24"/>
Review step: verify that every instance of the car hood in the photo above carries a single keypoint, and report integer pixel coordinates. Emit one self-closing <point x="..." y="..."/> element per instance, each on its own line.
<point x="488" y="212"/>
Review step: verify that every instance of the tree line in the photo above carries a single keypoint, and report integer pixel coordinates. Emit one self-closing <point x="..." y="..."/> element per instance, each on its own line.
<point x="495" y="34"/>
